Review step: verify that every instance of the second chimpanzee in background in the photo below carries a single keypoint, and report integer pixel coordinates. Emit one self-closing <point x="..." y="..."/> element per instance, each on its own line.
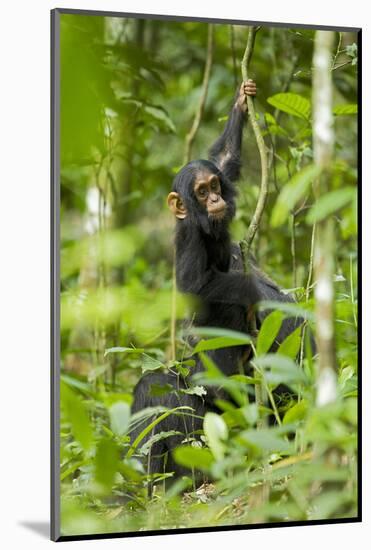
<point x="208" y="266"/>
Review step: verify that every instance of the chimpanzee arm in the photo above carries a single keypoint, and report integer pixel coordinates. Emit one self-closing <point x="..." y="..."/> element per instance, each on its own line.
<point x="226" y="151"/>
<point x="229" y="288"/>
<point x="194" y="276"/>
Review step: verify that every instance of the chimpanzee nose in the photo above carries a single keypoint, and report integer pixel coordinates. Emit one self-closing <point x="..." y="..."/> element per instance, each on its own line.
<point x="214" y="197"/>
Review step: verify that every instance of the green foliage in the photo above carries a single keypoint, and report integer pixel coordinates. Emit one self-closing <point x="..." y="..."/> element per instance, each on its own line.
<point x="330" y="203"/>
<point x="216" y="432"/>
<point x="194" y="457"/>
<point x="268" y="332"/>
<point x="76" y="414"/>
<point x="291" y="345"/>
<point x="221" y="342"/>
<point x="129" y="92"/>
<point x="293" y="104"/>
<point x="345" y="109"/>
<point x="296" y="412"/>
<point x="106" y="463"/>
<point x="292" y="192"/>
<point x="120" y="417"/>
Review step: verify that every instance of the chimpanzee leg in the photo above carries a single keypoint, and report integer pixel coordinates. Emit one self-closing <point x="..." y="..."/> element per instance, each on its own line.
<point x="186" y="422"/>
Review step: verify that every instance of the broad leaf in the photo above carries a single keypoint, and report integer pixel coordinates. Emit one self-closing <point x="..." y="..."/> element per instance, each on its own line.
<point x="154" y="423"/>
<point x="150" y="363"/>
<point x="292" y="192"/>
<point x="221" y="342"/>
<point x="345" y="109"/>
<point x="210" y="332"/>
<point x="330" y="203"/>
<point x="120" y="417"/>
<point x="291" y="345"/>
<point x="193" y="457"/>
<point x="160" y="115"/>
<point x="195" y="390"/>
<point x="265" y="441"/>
<point x="216" y="432"/>
<point x="146" y="447"/>
<point x="297" y="412"/>
<point x="77" y="415"/>
<point x="268" y="331"/>
<point x="293" y="104"/>
<point x="122" y="350"/>
<point x="290" y="309"/>
<point x="279" y="369"/>
<point x="213" y="373"/>
<point x="106" y="462"/>
<point x="157" y="390"/>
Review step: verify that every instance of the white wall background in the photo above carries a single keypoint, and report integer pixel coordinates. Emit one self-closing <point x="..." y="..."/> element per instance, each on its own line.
<point x="24" y="271"/>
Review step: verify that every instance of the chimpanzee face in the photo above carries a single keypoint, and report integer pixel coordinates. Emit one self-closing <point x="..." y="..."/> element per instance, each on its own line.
<point x="203" y="197"/>
<point x="208" y="192"/>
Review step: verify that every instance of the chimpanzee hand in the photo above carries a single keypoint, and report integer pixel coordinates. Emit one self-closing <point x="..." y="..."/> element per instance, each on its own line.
<point x="247" y="88"/>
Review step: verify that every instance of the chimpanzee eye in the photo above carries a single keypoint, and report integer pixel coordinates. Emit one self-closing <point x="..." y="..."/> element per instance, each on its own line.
<point x="202" y="192"/>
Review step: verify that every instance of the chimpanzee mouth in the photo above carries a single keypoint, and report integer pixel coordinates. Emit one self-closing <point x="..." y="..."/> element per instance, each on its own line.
<point x="218" y="213"/>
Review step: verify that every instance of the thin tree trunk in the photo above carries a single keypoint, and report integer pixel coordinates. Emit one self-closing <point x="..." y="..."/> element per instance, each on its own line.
<point x="323" y="145"/>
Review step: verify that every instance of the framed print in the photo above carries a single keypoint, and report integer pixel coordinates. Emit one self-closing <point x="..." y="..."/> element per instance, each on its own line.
<point x="205" y="274"/>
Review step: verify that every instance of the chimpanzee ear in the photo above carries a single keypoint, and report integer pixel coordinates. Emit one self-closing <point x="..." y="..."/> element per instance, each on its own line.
<point x="176" y="205"/>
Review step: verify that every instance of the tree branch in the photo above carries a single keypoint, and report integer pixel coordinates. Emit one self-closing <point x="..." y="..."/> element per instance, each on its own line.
<point x="205" y="85"/>
<point x="255" y="221"/>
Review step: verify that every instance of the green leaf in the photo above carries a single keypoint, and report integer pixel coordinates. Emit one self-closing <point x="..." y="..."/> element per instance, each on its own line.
<point x="290" y="309"/>
<point x="75" y="383"/>
<point x="195" y="390"/>
<point x="193" y="457"/>
<point x="77" y="415"/>
<point x="265" y="441"/>
<point x="345" y="109"/>
<point x="154" y="423"/>
<point x="123" y="350"/>
<point x="111" y="398"/>
<point x="330" y="504"/>
<point x="222" y="332"/>
<point x="270" y="119"/>
<point x="157" y="390"/>
<point x="351" y="49"/>
<point x="216" y="432"/>
<point x="268" y="331"/>
<point x="159" y="114"/>
<point x="330" y="203"/>
<point x="250" y="413"/>
<point x="106" y="462"/>
<point x="295" y="413"/>
<point x="120" y="417"/>
<point x="345" y="375"/>
<point x="292" y="192"/>
<point x="221" y="342"/>
<point x="279" y="369"/>
<point x="150" y="363"/>
<point x="211" y="368"/>
<point x="214" y="373"/>
<point x="293" y="104"/>
<point x="146" y="447"/>
<point x="273" y="127"/>
<point x="291" y="345"/>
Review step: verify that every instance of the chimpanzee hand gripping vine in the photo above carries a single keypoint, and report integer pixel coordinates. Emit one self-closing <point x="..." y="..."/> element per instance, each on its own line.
<point x="210" y="267"/>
